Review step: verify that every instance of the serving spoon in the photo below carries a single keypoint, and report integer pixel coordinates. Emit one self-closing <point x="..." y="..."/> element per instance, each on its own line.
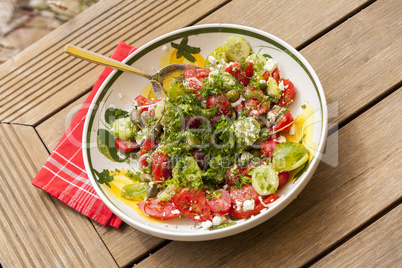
<point x="157" y="79"/>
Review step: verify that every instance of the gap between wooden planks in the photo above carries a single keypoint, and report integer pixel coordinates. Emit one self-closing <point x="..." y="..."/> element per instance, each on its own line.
<point x="36" y="230"/>
<point x="335" y="88"/>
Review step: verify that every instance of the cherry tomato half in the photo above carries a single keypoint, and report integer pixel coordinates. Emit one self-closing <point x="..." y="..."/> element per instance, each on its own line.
<point x="233" y="174"/>
<point x="219" y="202"/>
<point x="159" y="209"/>
<point x="275" y="75"/>
<point x="288" y="93"/>
<point x="126" y="145"/>
<point x="242" y="72"/>
<point x="200" y="74"/>
<point x="192" y="204"/>
<point x="142" y="101"/>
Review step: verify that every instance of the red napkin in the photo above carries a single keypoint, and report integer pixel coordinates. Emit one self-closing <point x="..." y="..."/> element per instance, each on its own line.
<point x="63" y="175"/>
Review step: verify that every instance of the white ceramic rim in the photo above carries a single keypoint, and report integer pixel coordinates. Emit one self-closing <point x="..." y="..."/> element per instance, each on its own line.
<point x="234" y="229"/>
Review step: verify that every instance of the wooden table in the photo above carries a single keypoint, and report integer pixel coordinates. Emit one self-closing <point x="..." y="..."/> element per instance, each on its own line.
<point x="348" y="215"/>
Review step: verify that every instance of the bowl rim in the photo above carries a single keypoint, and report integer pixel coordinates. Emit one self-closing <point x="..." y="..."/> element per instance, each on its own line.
<point x="237" y="228"/>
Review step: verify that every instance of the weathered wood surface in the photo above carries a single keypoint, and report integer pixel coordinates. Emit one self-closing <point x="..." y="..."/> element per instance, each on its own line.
<point x="35" y="229"/>
<point x="335" y="203"/>
<point x="42" y="79"/>
<point x="358" y="62"/>
<point x="379" y="245"/>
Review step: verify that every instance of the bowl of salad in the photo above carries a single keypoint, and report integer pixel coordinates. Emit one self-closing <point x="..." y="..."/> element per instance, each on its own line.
<point x="232" y="141"/>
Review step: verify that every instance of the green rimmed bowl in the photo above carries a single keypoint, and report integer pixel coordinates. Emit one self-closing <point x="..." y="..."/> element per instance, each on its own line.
<point x="120" y="89"/>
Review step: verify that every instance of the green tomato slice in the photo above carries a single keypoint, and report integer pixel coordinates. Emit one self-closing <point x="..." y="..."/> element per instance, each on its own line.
<point x="289" y="156"/>
<point x="265" y="180"/>
<point x="134" y="191"/>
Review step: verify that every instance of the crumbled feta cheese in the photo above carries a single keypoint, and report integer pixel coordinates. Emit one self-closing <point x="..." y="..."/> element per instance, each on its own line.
<point x="176" y="211"/>
<point x="292" y="130"/>
<point x="281" y="86"/>
<point x="206" y="225"/>
<point x="218" y="220"/>
<point x="248" y="205"/>
<point x="212" y="60"/>
<point x="281" y="139"/>
<point x="271" y="118"/>
<point x="197" y="217"/>
<point x="263" y="81"/>
<point x="270" y="65"/>
<point x="239" y="205"/>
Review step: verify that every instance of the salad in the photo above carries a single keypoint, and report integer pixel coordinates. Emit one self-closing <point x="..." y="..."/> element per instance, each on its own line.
<point x="213" y="149"/>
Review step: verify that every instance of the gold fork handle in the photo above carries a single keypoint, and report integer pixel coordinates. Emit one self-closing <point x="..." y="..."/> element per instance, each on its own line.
<point x="100" y="59"/>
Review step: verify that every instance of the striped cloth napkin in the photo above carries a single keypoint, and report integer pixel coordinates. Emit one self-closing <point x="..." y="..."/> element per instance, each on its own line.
<point x="63" y="175"/>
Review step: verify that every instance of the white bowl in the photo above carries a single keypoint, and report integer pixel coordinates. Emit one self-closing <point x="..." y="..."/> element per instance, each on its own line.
<point x="119" y="89"/>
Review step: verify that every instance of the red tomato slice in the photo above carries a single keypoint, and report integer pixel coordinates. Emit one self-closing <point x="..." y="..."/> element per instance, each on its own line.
<point x="147" y="146"/>
<point x="220" y="203"/>
<point x="159" y="209"/>
<point x="286" y="119"/>
<point x="161" y="169"/>
<point x="254" y="108"/>
<point x="268" y="148"/>
<point x="252" y="93"/>
<point x="221" y="102"/>
<point x="257" y="209"/>
<point x="126" y="145"/>
<point x="288" y="93"/>
<point x="283" y="178"/>
<point x="247" y="171"/>
<point x="243" y="194"/>
<point x="192" y="204"/>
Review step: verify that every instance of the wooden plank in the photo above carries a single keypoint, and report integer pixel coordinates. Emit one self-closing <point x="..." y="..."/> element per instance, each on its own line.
<point x="37" y="230"/>
<point x="53" y="129"/>
<point x="41" y="78"/>
<point x="335" y="203"/>
<point x="366" y="44"/>
<point x="379" y="245"/>
<point x="293" y="21"/>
